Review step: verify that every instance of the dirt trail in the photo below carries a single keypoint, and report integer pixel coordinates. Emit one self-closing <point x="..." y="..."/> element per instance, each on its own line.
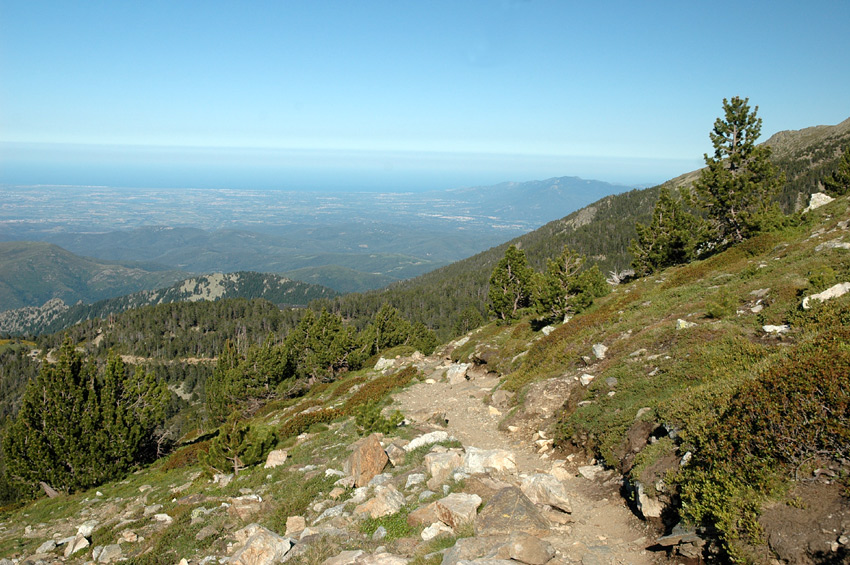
<point x="603" y="531"/>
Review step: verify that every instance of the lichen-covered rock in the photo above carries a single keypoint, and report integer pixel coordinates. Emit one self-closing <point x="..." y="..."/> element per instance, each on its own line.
<point x="510" y="511"/>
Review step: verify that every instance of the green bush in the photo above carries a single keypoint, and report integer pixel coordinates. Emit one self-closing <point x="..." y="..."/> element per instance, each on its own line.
<point x="797" y="411"/>
<point x="238" y="445"/>
<point x="370" y="419"/>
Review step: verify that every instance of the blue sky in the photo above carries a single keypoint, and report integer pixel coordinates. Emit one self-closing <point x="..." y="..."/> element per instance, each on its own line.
<point x="399" y="94"/>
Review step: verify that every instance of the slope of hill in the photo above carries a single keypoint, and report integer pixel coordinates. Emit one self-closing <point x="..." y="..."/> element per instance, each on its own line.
<point x="54" y="315"/>
<point x="31" y="273"/>
<point x="707" y="393"/>
<point x="602" y="231"/>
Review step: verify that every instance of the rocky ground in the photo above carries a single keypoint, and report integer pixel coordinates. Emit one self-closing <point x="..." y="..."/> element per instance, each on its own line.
<point x="466" y="490"/>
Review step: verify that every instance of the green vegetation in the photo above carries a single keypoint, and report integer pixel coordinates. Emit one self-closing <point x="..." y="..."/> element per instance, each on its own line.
<point x="511" y="285"/>
<point x="737" y="187"/>
<point x="78" y="427"/>
<point x="838" y="183"/>
<point x="671" y="238"/>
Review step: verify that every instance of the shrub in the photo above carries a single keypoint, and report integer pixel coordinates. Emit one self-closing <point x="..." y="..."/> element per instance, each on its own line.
<point x="797" y="411"/>
<point x="370" y="419"/>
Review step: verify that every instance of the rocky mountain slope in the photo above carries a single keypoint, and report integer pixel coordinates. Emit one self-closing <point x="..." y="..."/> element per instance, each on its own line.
<point x="614" y="437"/>
<point x="55" y="315"/>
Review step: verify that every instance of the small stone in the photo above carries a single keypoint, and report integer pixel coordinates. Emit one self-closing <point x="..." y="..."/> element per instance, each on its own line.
<point x="684" y="324"/>
<point x="380" y="533"/>
<point x="414" y="479"/>
<point x="46" y="547"/>
<point x="599" y="350"/>
<point x="784" y="328"/>
<point x="435" y="530"/>
<point x="164" y="518"/>
<point x="295" y="525"/>
<point x="586" y="379"/>
<point x="276" y="458"/>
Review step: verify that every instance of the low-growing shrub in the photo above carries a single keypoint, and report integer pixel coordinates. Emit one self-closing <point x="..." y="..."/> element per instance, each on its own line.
<point x="795" y="412"/>
<point x="369" y="419"/>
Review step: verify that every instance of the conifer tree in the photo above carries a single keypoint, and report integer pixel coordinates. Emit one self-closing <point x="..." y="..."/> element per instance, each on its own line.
<point x="511" y="285"/>
<point x="671" y="238"/>
<point x="76" y="429"/>
<point x="554" y="291"/>
<point x="237" y="446"/>
<point x="739" y="181"/>
<point x="838" y="183"/>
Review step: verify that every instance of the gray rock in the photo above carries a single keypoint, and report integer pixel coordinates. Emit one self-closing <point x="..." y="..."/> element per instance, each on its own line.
<point x="263" y="548"/>
<point x="817" y="200"/>
<point x="684" y="324"/>
<point x="441" y="465"/>
<point x="46" y="547"/>
<point x="510" y="511"/>
<point x="468" y="549"/>
<point x="396" y="454"/>
<point x="109" y="553"/>
<point x="344" y="558"/>
<point x="414" y="479"/>
<point x="542" y="488"/>
<point x="529" y="549"/>
<point x="458" y="373"/>
<point x="380" y="533"/>
<point x="457" y="509"/>
<point x="599" y="350"/>
<point x="586" y="379"/>
<point x="79" y="543"/>
<point x="481" y="461"/>
<point x="648" y="507"/>
<point x="387" y="501"/>
<point x="832" y="292"/>
<point x="427" y="439"/>
<point x="380" y="558"/>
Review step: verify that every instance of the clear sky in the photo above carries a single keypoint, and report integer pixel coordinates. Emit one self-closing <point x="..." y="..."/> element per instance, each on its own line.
<point x="399" y="93"/>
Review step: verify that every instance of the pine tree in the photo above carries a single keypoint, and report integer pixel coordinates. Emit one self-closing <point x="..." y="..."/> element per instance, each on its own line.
<point x="511" y="285"/>
<point x="838" y="183"/>
<point x="554" y="292"/>
<point x="76" y="429"/>
<point x="237" y="446"/>
<point x="671" y="238"/>
<point x="739" y="181"/>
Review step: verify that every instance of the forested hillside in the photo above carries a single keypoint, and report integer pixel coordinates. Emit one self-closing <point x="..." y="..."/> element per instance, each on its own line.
<point x="56" y="316"/>
<point x="31" y="273"/>
<point x="442" y="298"/>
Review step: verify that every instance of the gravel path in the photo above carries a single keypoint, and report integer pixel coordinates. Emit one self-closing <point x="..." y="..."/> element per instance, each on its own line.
<point x="603" y="530"/>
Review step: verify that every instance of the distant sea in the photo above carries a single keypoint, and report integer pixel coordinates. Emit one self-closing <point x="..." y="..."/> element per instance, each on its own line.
<point x="309" y="170"/>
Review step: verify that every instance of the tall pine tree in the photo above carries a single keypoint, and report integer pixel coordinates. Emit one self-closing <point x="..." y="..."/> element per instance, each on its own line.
<point x="736" y="188"/>
<point x="511" y="285"/>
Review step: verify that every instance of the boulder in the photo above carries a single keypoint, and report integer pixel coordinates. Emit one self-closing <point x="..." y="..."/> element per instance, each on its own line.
<point x="441" y="465"/>
<point x="295" y="525"/>
<point x="386" y="501"/>
<point x="457" y="509"/>
<point x="414" y="479"/>
<point x="586" y="379"/>
<point x="648" y="507"/>
<point x="832" y="292"/>
<point x="275" y="458"/>
<point x="382" y="558"/>
<point x="109" y="554"/>
<point x="77" y="544"/>
<point x="46" y="547"/>
<point x="510" y="511"/>
<point x="817" y="200"/>
<point x="396" y="455"/>
<point x="529" y="549"/>
<point x="599" y="350"/>
<point x="434" y="530"/>
<point x="458" y="373"/>
<point x="482" y="461"/>
<point x="384" y="364"/>
<point x="367" y="460"/>
<point x="427" y="439"/>
<point x="262" y="548"/>
<point x="423" y="515"/>
<point x="470" y="549"/>
<point x="542" y="488"/>
<point x="245" y="507"/>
